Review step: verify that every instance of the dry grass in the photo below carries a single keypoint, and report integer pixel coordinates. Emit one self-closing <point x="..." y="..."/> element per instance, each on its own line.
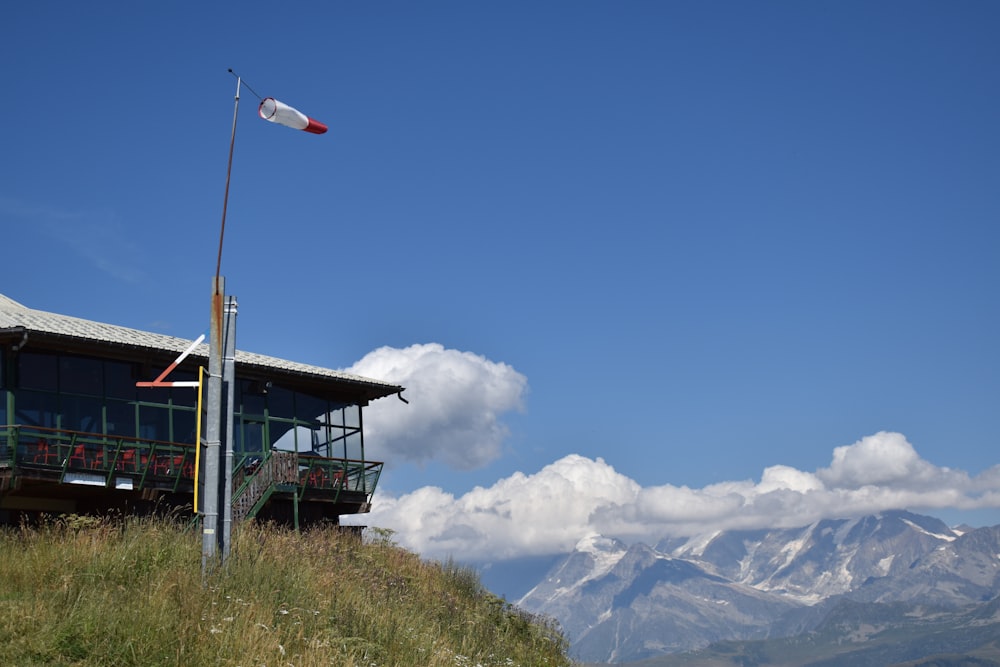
<point x="86" y="592"/>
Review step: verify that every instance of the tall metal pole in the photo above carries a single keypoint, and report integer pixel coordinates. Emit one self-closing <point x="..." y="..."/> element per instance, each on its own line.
<point x="210" y="508"/>
<point x="211" y="536"/>
<point x="229" y="382"/>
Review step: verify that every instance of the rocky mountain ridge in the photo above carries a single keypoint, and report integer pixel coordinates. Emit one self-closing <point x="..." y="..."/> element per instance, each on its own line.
<point x="624" y="603"/>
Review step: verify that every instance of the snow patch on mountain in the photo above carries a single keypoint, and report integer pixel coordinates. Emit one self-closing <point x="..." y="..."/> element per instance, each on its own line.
<point x="696" y="545"/>
<point x="605" y="551"/>
<point x="921" y="529"/>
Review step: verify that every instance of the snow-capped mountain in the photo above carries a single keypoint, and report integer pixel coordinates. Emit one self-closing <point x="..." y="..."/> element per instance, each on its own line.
<point x="621" y="603"/>
<point x="827" y="558"/>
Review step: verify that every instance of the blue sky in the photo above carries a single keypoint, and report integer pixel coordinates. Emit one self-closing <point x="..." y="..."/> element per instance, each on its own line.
<point x="674" y="245"/>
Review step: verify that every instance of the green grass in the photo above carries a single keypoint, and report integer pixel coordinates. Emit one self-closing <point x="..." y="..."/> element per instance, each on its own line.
<point x="86" y="592"/>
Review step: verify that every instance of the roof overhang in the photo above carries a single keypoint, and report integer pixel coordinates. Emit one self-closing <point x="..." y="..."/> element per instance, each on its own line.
<point x="25" y="328"/>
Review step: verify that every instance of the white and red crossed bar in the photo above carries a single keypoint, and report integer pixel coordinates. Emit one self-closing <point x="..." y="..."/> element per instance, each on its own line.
<point x="160" y="382"/>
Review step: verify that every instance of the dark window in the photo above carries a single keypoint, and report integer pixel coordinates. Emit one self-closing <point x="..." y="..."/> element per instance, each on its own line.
<point x="154" y="422"/>
<point x="185" y="425"/>
<point x="153" y="394"/>
<point x="36" y="409"/>
<point x="37" y="371"/>
<point x="81" y="413"/>
<point x="119" y="381"/>
<point x="251" y="397"/>
<point x="310" y="407"/>
<point x="186" y="396"/>
<point x="278" y="429"/>
<point x="80" y="375"/>
<point x="280" y="402"/>
<point x="121" y="418"/>
<point x="250" y="437"/>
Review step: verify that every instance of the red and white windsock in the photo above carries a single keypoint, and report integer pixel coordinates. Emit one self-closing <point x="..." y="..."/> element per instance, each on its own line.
<point x="278" y="112"/>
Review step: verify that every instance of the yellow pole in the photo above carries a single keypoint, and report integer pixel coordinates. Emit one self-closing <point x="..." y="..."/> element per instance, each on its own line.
<point x="197" y="438"/>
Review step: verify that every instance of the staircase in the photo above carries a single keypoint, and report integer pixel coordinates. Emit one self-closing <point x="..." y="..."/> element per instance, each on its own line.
<point x="250" y="488"/>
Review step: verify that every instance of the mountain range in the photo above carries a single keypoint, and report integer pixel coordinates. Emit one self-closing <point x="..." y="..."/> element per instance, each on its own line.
<point x="844" y="583"/>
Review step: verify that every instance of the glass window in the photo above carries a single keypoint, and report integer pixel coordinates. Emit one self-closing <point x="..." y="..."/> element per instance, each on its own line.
<point x="119" y="380"/>
<point x="82" y="413"/>
<point x="37" y="371"/>
<point x="185" y="425"/>
<point x="310" y="407"/>
<point x="153" y="394"/>
<point x="300" y="438"/>
<point x="250" y="437"/>
<point x="81" y="375"/>
<point x="280" y="402"/>
<point x="154" y="422"/>
<point x="121" y="418"/>
<point x="354" y="447"/>
<point x="280" y="430"/>
<point x="186" y="396"/>
<point x="36" y="409"/>
<point x="250" y="397"/>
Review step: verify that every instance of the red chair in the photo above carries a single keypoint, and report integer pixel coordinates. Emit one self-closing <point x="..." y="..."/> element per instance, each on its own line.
<point x="161" y="464"/>
<point x="78" y="459"/>
<point x="44" y="455"/>
<point x="316" y="478"/>
<point x="172" y="464"/>
<point x="186" y="466"/>
<point x="126" y="460"/>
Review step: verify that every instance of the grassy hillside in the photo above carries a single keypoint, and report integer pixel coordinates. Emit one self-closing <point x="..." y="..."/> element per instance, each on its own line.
<point x="86" y="592"/>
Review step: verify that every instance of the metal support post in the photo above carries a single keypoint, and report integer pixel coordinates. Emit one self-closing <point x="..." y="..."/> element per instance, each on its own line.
<point x="210" y="520"/>
<point x="229" y="382"/>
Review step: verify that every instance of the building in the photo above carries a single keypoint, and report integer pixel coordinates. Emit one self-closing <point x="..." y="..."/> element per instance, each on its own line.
<point x="78" y="436"/>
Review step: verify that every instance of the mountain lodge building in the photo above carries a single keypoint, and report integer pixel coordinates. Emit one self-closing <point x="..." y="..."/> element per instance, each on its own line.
<point x="78" y="436"/>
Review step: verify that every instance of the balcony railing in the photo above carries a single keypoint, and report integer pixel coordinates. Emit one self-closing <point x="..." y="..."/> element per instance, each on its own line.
<point x="74" y="457"/>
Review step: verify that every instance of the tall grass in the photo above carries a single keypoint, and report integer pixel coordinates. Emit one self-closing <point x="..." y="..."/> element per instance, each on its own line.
<point x="85" y="592"/>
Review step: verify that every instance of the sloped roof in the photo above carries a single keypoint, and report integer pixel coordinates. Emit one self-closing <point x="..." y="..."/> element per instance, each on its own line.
<point x="18" y="320"/>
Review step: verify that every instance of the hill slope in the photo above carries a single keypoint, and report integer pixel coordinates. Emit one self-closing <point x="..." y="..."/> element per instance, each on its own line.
<point x="86" y="592"/>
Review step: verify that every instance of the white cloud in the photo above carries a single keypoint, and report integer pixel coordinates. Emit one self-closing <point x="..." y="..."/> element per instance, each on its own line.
<point x="518" y="515"/>
<point x="549" y="511"/>
<point x="456" y="403"/>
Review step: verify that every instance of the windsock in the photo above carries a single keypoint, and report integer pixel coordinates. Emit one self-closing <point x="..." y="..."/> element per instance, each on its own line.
<point x="278" y="112"/>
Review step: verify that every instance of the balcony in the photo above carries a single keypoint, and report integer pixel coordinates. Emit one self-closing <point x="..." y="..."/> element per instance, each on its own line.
<point x="40" y="462"/>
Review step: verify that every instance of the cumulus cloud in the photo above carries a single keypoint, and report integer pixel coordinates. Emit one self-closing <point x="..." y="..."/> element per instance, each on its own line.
<point x="519" y="515"/>
<point x="548" y="511"/>
<point x="457" y="400"/>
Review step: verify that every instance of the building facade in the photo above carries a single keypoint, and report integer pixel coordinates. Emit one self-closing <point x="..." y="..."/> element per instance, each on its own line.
<point x="77" y="435"/>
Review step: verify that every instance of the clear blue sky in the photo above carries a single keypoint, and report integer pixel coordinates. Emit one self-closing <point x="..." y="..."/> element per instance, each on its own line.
<point x="709" y="237"/>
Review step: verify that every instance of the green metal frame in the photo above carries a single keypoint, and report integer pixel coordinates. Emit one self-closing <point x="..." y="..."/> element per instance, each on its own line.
<point x="62" y="454"/>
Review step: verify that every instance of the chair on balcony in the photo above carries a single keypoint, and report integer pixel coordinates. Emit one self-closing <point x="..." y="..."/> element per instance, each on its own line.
<point x="186" y="464"/>
<point x="127" y="460"/>
<point x="44" y="455"/>
<point x="78" y="457"/>
<point x="173" y="464"/>
<point x="319" y="479"/>
<point x="163" y="464"/>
